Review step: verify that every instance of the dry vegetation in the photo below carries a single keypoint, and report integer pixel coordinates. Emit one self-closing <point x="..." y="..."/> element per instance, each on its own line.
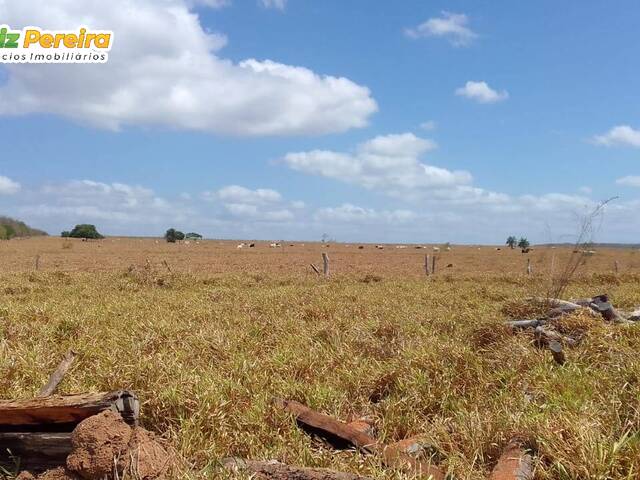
<point x="209" y="344"/>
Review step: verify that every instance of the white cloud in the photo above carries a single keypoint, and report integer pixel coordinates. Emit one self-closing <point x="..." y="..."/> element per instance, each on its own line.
<point x="209" y="3"/>
<point x="349" y="213"/>
<point x="277" y="4"/>
<point x="620" y="135"/>
<point x="428" y="126"/>
<point x="452" y="26"/>
<point x="481" y="92"/>
<point x="238" y="194"/>
<point x="389" y="163"/>
<point x="629" y="181"/>
<point x="164" y="70"/>
<point x="586" y="190"/>
<point x="8" y="186"/>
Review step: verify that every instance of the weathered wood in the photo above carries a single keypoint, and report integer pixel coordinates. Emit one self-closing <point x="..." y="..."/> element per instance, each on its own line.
<point x="529" y="270"/>
<point x="518" y="324"/>
<point x="36" y="451"/>
<point x="342" y="435"/>
<point x="64" y="412"/>
<point x="57" y="375"/>
<point x="555" y="347"/>
<point x="433" y="265"/>
<point x="325" y="264"/>
<point x="315" y="269"/>
<point x="273" y="470"/>
<point x="427" y="268"/>
<point x="515" y="463"/>
<point x="545" y="335"/>
<point x="338" y="433"/>
<point x="602" y="305"/>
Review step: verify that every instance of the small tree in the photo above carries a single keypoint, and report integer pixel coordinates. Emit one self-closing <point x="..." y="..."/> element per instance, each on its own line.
<point x="65" y="234"/>
<point x="85" y="230"/>
<point x="193" y="236"/>
<point x="172" y="235"/>
<point x="523" y="243"/>
<point x="512" y="242"/>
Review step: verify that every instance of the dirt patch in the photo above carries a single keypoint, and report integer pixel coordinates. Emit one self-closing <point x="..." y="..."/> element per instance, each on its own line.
<point x="147" y="458"/>
<point x="105" y="447"/>
<point x="96" y="442"/>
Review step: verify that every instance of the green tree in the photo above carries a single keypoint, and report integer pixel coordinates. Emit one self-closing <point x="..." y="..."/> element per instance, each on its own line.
<point x="65" y="234"/>
<point x="523" y="243"/>
<point x="193" y="236"/>
<point x="512" y="242"/>
<point x="172" y="235"/>
<point x="85" y="230"/>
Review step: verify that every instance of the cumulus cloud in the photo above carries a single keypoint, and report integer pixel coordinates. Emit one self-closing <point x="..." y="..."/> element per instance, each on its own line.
<point x="8" y="186"/>
<point x="452" y="26"/>
<point x="261" y="204"/>
<point x="481" y="92"/>
<point x="619" y="136"/>
<point x="277" y="4"/>
<point x="239" y="194"/>
<point x="389" y="163"/>
<point x="164" y="70"/>
<point x="629" y="181"/>
<point x="353" y="214"/>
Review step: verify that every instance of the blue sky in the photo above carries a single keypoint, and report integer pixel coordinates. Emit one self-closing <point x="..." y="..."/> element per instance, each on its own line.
<point x="413" y="121"/>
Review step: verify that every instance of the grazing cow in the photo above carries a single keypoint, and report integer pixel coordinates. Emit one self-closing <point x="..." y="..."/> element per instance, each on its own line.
<point x="448" y="249"/>
<point x="498" y="249"/>
<point x="379" y="247"/>
<point x="275" y="245"/>
<point x="526" y="250"/>
<point x="360" y="247"/>
<point x="240" y="245"/>
<point x="450" y="265"/>
<point x="252" y="245"/>
<point x="436" y="249"/>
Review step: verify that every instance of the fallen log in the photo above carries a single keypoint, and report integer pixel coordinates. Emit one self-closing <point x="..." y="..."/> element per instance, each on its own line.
<point x="273" y="470"/>
<point x="515" y="463"/>
<point x="57" y="376"/>
<point x="545" y="335"/>
<point x="521" y="324"/>
<point x="63" y="412"/>
<point x="36" y="451"/>
<point x="342" y="435"/>
<point x="337" y="433"/>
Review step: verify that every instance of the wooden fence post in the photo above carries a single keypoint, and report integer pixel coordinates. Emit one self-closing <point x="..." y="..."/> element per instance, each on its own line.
<point x="325" y="264"/>
<point x="427" y="269"/>
<point x="616" y="266"/>
<point x="529" y="270"/>
<point x="433" y="265"/>
<point x="37" y="262"/>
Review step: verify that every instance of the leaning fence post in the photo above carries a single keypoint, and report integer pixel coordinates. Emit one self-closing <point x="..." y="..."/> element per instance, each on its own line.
<point x="325" y="264"/>
<point x="427" y="269"/>
<point x="529" y="270"/>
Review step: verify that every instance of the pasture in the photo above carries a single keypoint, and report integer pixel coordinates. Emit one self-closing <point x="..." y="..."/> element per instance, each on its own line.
<point x="209" y="334"/>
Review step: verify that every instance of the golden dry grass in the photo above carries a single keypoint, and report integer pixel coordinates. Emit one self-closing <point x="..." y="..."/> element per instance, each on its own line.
<point x="208" y="346"/>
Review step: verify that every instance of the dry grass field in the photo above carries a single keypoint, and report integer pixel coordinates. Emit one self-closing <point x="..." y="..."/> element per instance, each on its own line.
<point x="209" y="339"/>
